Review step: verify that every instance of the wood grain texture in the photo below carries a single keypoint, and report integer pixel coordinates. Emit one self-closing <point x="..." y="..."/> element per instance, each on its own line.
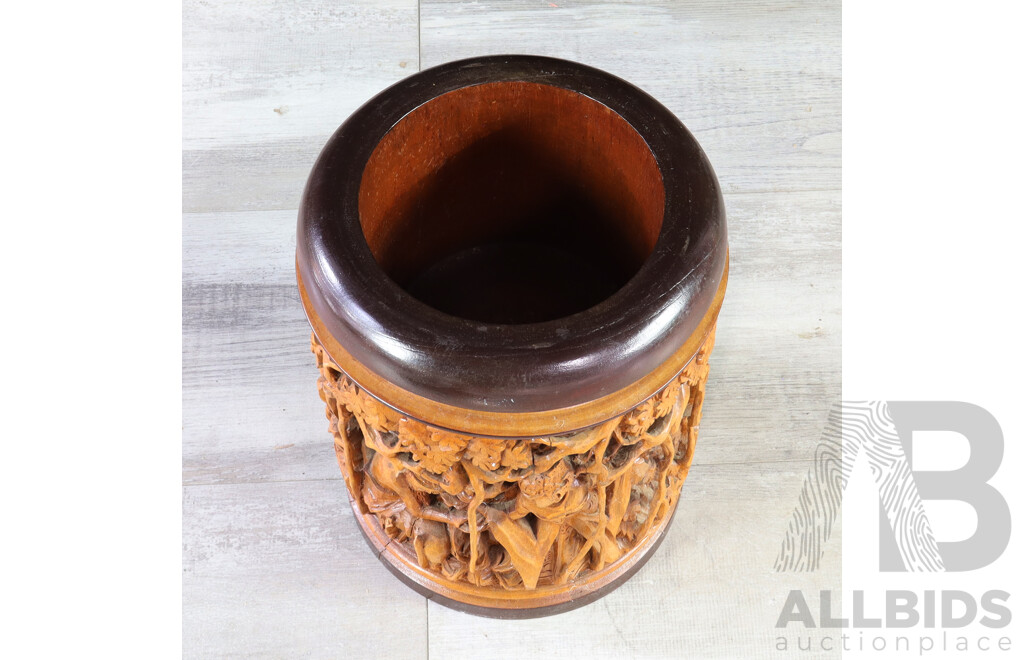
<point x="758" y="83"/>
<point x="281" y="571"/>
<point x="273" y="562"/>
<point x="265" y="83"/>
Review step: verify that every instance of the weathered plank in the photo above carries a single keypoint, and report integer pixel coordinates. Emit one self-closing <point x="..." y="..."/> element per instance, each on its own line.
<point x="280" y="570"/>
<point x="757" y="83"/>
<point x="265" y="83"/>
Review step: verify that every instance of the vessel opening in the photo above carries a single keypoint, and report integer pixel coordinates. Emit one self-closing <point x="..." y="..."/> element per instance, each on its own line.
<point x="511" y="202"/>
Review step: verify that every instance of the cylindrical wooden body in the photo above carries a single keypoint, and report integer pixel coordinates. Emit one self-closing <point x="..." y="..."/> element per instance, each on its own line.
<point x="513" y="268"/>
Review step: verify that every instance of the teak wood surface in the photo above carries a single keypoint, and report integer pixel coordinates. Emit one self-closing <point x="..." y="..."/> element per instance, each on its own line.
<point x="274" y="563"/>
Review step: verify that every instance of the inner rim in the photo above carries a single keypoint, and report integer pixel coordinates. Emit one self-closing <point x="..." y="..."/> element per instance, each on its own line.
<point x="511" y="202"/>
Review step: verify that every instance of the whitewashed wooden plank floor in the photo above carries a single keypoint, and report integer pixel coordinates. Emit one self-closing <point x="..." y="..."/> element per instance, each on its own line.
<point x="273" y="563"/>
<point x="264" y="83"/>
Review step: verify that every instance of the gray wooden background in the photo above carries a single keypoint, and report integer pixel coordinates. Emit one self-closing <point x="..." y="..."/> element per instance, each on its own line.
<point x="274" y="565"/>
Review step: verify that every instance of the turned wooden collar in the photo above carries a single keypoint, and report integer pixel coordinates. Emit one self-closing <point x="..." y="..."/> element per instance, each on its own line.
<point x="435" y="143"/>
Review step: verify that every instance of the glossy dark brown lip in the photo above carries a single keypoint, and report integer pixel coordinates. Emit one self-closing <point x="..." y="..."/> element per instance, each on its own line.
<point x="514" y="368"/>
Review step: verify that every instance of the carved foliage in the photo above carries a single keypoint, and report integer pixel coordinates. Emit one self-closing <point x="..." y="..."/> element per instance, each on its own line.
<point x="515" y="513"/>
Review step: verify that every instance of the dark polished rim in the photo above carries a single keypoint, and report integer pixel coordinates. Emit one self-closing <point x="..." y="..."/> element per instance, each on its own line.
<point x="513" y="368"/>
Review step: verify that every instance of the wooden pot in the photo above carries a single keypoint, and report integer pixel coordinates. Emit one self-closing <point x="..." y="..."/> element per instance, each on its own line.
<point x="513" y="267"/>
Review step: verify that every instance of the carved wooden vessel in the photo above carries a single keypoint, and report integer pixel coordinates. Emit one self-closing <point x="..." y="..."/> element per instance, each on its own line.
<point x="513" y="267"/>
